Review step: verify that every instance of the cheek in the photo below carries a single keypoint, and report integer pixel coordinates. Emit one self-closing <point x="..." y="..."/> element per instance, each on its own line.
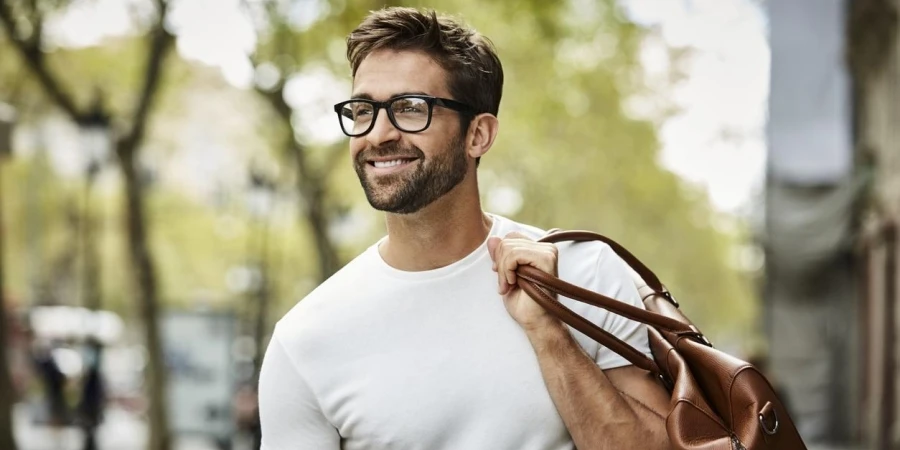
<point x="356" y="145"/>
<point x="432" y="145"/>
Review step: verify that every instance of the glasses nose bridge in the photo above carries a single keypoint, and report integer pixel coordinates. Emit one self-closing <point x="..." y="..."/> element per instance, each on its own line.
<point x="386" y="107"/>
<point x="378" y="133"/>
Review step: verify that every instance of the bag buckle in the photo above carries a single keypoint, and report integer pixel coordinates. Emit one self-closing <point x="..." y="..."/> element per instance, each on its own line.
<point x="668" y="295"/>
<point x="704" y="339"/>
<point x="666" y="381"/>
<point x="697" y="335"/>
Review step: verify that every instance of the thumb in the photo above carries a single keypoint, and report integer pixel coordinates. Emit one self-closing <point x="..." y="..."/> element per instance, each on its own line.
<point x="492" y="244"/>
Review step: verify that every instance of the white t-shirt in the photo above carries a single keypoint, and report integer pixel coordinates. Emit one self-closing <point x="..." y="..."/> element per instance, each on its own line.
<point x="378" y="358"/>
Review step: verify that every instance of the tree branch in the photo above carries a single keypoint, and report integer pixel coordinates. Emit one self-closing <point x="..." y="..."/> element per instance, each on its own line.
<point x="275" y="97"/>
<point x="335" y="156"/>
<point x="160" y="43"/>
<point x="30" y="50"/>
<point x="276" y="100"/>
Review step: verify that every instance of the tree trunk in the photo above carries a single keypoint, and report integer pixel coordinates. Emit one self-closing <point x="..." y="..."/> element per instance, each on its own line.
<point x="161" y="42"/>
<point x="312" y="193"/>
<point x="310" y="186"/>
<point x="263" y="295"/>
<point x="873" y="56"/>
<point x="145" y="274"/>
<point x="159" y="45"/>
<point x="6" y="387"/>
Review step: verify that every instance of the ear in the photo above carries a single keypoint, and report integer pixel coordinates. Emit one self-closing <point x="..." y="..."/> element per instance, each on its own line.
<point x="482" y="132"/>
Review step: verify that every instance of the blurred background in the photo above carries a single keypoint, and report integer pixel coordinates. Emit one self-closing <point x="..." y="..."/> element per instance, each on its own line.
<point x="173" y="180"/>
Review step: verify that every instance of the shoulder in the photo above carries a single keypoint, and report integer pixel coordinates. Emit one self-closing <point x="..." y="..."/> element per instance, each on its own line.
<point x="579" y="252"/>
<point x="583" y="262"/>
<point x="504" y="226"/>
<point x="319" y="310"/>
<point x="595" y="266"/>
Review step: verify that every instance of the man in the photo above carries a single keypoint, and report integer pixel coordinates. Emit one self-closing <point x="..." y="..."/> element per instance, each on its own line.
<point x="424" y="341"/>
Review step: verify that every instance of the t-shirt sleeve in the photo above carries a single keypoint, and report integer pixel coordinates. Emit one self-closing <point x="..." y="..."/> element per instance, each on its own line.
<point x="616" y="282"/>
<point x="290" y="416"/>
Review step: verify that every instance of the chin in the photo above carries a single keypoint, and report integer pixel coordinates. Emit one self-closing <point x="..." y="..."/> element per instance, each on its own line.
<point x="382" y="202"/>
<point x="393" y="206"/>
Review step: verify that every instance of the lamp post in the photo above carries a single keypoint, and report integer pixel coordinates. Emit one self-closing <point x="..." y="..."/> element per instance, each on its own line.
<point x="96" y="147"/>
<point x="260" y="202"/>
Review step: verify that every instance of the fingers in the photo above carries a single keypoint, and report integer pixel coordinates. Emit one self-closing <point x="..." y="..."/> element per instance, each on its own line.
<point x="516" y="235"/>
<point x="494" y="241"/>
<point x="516" y="249"/>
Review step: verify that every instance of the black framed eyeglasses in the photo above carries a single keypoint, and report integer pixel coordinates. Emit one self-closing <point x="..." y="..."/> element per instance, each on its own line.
<point x="408" y="113"/>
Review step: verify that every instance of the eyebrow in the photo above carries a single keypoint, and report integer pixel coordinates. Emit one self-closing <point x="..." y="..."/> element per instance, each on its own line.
<point x="366" y="96"/>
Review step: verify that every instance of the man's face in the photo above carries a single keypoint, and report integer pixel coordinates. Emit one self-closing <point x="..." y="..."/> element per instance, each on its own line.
<point x="405" y="172"/>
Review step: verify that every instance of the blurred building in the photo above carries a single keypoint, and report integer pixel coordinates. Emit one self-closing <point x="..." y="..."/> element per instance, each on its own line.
<point x="833" y="203"/>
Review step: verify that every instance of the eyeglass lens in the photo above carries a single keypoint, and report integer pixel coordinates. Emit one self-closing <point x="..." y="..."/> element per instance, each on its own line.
<point x="409" y="114"/>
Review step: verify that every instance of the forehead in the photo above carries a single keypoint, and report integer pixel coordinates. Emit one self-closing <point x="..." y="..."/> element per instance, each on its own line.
<point x="387" y="73"/>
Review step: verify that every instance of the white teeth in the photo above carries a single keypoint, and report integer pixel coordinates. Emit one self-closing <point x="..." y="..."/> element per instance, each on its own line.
<point x="382" y="164"/>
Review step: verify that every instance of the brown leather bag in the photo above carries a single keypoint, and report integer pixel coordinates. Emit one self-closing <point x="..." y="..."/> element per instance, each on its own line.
<point x="717" y="401"/>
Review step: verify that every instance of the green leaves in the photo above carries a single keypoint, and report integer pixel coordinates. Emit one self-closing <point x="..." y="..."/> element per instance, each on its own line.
<point x="567" y="145"/>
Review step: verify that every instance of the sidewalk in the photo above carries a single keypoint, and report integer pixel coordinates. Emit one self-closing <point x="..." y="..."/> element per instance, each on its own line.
<point x="120" y="430"/>
<point x="124" y="431"/>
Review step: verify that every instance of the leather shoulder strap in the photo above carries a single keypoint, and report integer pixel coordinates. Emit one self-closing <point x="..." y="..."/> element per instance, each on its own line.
<point x="539" y="285"/>
<point x="556" y="235"/>
<point x="554" y="284"/>
<point x="585" y="326"/>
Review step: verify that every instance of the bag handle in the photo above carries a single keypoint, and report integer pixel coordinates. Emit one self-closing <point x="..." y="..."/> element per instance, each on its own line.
<point x="585" y="326"/>
<point x="539" y="285"/>
<point x="556" y="235"/>
<point x="556" y="285"/>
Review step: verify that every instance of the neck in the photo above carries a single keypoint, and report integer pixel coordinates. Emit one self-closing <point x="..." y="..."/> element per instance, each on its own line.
<point x="438" y="235"/>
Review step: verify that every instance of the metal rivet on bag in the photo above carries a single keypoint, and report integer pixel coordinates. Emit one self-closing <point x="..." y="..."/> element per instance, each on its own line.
<point x="765" y="428"/>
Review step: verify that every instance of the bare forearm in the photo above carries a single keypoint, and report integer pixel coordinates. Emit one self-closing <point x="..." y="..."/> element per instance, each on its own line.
<point x="595" y="413"/>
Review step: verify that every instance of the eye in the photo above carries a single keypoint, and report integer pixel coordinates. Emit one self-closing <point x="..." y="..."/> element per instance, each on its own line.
<point x="410" y="106"/>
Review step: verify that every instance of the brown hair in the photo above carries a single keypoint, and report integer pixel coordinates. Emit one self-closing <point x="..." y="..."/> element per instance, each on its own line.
<point x="474" y="73"/>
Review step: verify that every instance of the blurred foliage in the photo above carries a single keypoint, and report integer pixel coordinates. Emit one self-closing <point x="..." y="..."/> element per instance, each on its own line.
<point x="567" y="144"/>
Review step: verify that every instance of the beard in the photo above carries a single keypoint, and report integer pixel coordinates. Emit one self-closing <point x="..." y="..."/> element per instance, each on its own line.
<point x="410" y="191"/>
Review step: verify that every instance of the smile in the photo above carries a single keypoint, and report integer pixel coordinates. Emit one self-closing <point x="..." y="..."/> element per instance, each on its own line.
<point x="389" y="166"/>
<point x="392" y="163"/>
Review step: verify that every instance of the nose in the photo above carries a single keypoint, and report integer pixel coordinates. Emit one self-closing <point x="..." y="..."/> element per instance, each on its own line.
<point x="383" y="131"/>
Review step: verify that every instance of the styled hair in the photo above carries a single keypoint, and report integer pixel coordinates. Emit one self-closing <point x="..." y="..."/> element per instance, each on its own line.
<point x="474" y="72"/>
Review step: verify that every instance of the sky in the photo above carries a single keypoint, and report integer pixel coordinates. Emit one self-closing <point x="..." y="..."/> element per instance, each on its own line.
<point x="716" y="142"/>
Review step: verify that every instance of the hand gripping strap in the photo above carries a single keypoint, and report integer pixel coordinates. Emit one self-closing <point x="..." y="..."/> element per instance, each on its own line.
<point x="585" y="326"/>
<point x="539" y="285"/>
